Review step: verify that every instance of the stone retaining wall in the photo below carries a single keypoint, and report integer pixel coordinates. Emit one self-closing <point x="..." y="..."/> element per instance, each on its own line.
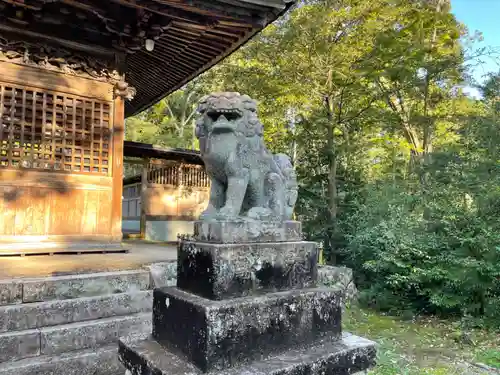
<point x="338" y="277"/>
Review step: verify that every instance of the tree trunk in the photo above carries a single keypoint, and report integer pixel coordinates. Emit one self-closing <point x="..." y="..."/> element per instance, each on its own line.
<point x="332" y="176"/>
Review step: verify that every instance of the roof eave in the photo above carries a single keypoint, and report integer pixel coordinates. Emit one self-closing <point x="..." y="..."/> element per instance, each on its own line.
<point x="276" y="13"/>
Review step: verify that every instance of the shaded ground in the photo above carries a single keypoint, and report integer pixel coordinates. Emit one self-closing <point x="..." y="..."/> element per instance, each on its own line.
<point x="141" y="253"/>
<point x="426" y="346"/>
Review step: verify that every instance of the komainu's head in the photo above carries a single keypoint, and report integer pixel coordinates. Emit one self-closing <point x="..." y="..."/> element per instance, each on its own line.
<point x="228" y="112"/>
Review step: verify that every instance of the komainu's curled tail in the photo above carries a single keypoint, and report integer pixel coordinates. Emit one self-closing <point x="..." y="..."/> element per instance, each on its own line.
<point x="290" y="185"/>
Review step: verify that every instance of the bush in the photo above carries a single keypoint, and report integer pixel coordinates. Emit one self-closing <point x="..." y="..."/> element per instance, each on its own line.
<point x="434" y="250"/>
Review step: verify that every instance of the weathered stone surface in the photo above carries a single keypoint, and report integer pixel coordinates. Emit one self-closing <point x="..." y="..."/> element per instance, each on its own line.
<point x="11" y="292"/>
<point x="89" y="362"/>
<point x="339" y="278"/>
<point x="44" y="314"/>
<point x="92" y="334"/>
<point x="347" y="356"/>
<point x="19" y="345"/>
<point x="163" y="274"/>
<point x="219" y="334"/>
<point x="246" y="180"/>
<point x="219" y="271"/>
<point x="241" y="231"/>
<point x="86" y="285"/>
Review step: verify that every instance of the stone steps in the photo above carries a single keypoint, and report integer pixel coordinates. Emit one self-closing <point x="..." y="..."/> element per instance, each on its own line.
<point x="27" y="290"/>
<point x="52" y="313"/>
<point x="70" y="337"/>
<point x="103" y="361"/>
<point x="70" y="324"/>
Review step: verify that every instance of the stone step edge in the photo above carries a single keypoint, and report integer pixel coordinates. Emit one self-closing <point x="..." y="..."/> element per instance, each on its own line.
<point x="14" y="291"/>
<point x="82" y="362"/>
<point x="351" y="353"/>
<point x="83" y="275"/>
<point x="32" y="343"/>
<point x="62" y="304"/>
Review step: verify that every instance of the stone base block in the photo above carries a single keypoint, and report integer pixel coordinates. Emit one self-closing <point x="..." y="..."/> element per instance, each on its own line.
<point x="221" y="271"/>
<point x="221" y="334"/>
<point x="239" y="231"/>
<point x="347" y="356"/>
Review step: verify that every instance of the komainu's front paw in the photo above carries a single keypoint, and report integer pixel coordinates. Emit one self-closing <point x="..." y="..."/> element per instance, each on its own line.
<point x="226" y="213"/>
<point x="209" y="213"/>
<point x="260" y="213"/>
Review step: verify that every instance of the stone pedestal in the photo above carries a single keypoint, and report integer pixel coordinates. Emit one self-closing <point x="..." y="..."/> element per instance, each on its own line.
<point x="220" y="271"/>
<point x="247" y="308"/>
<point x="246" y="231"/>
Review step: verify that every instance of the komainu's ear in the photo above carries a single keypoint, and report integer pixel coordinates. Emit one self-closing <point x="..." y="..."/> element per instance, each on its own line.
<point x="200" y="130"/>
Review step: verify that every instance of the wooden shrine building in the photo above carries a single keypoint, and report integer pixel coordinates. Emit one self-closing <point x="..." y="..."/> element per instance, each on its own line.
<point x="164" y="194"/>
<point x="70" y="72"/>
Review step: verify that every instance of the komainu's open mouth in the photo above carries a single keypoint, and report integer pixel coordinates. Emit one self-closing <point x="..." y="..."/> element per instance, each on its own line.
<point x="229" y="113"/>
<point x="224" y="120"/>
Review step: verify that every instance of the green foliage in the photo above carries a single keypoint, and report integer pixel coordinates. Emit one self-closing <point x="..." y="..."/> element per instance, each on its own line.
<point x="433" y="252"/>
<point x="169" y="123"/>
<point x="398" y="169"/>
<point x="490" y="357"/>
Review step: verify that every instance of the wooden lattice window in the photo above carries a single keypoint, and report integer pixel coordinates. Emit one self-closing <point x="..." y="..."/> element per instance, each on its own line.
<point x="46" y="130"/>
<point x="164" y="175"/>
<point x="194" y="175"/>
<point x="175" y="174"/>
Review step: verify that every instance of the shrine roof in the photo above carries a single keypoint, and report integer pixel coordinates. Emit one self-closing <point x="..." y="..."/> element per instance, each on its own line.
<point x="146" y="150"/>
<point x="189" y="36"/>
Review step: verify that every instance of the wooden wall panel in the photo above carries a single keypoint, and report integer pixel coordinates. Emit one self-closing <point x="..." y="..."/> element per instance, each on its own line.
<point x="23" y="219"/>
<point x="57" y="139"/>
<point x="104" y="212"/>
<point x="161" y="200"/>
<point x="41" y="211"/>
<point x="169" y="201"/>
<point x="90" y="220"/>
<point x="58" y="223"/>
<point x="69" y="209"/>
<point x="9" y="213"/>
<point x="193" y="202"/>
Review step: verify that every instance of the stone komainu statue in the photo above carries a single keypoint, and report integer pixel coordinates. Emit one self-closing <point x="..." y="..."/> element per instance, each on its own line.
<point x="246" y="179"/>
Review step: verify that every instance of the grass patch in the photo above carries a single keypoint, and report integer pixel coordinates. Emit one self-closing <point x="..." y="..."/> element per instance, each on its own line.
<point x="490" y="357"/>
<point x="424" y="346"/>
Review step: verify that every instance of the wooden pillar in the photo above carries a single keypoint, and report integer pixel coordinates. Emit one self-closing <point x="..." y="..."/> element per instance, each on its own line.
<point x="118" y="137"/>
<point x="144" y="187"/>
<point x="180" y="175"/>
